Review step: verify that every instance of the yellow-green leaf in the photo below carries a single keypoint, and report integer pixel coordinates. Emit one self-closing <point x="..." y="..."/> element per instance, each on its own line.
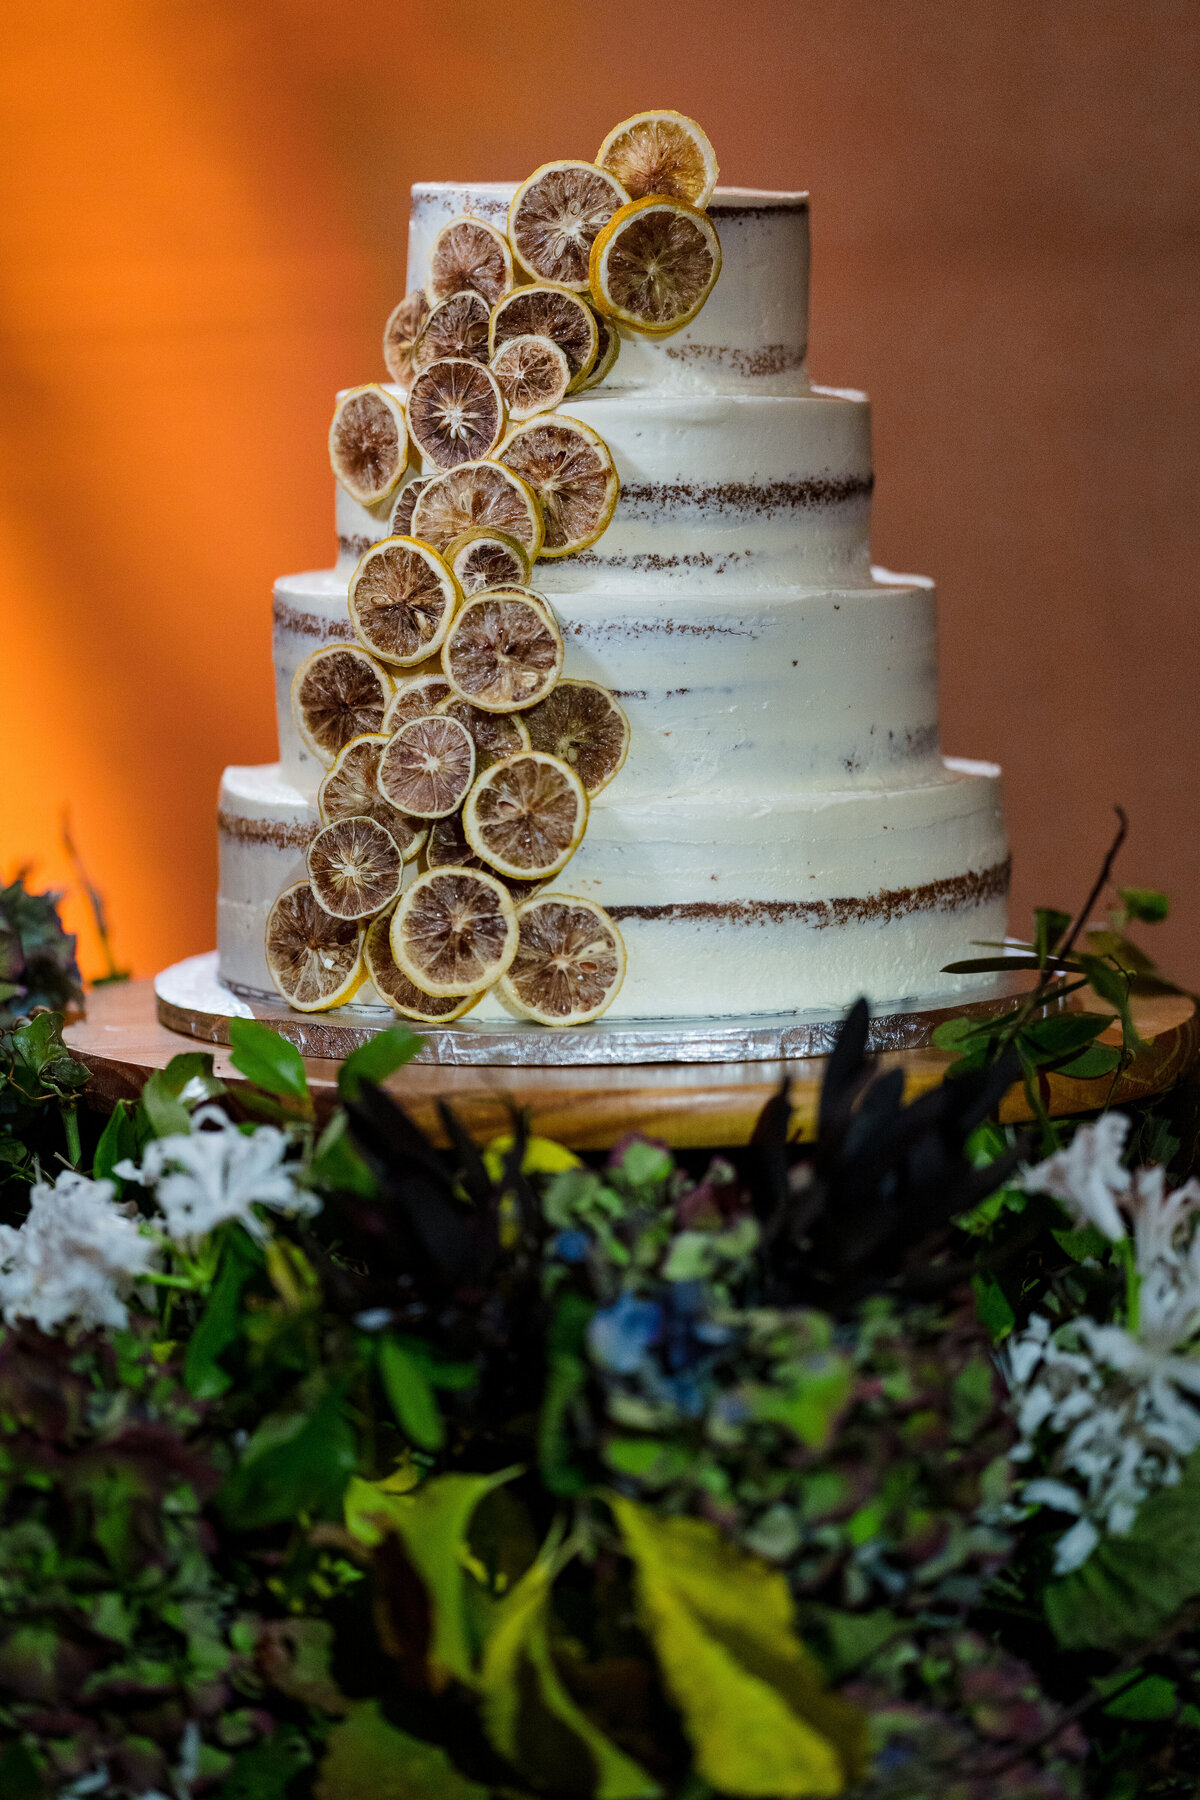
<point x="542" y="1156"/>
<point x="366" y="1755"/>
<point x="722" y="1625"/>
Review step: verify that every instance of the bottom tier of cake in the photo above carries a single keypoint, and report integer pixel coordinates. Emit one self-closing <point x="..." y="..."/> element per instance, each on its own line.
<point x="800" y="904"/>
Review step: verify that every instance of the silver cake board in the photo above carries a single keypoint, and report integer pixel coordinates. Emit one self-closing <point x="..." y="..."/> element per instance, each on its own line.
<point x="191" y="1000"/>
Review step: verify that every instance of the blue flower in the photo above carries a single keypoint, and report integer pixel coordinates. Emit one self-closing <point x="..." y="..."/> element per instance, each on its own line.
<point x="571" y="1246"/>
<point x="620" y="1335"/>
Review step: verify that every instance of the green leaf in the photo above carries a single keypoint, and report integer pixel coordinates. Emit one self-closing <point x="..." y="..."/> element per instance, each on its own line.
<point x="519" y="1685"/>
<point x="364" y="1755"/>
<point x="1083" y="1244"/>
<point x="378" y="1058"/>
<point x="269" y="1061"/>
<point x="1047" y="1042"/>
<point x="119" y="1139"/>
<point x="1049" y="929"/>
<point x="336" y="1165"/>
<point x="1153" y="1697"/>
<point x="812" y="1403"/>
<point x="1096" y="1060"/>
<point x="1149" y="906"/>
<point x="266" y="1771"/>
<point x="296" y="1462"/>
<point x="751" y="1696"/>
<point x="161" y="1110"/>
<point x="1113" y="985"/>
<point x="406" y="1382"/>
<point x="566" y="1378"/>
<point x="220" y="1321"/>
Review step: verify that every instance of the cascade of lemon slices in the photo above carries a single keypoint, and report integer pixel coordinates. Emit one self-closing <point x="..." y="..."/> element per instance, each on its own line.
<point x="460" y="763"/>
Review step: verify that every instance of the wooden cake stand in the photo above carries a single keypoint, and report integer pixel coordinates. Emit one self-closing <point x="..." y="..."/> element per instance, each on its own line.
<point x="698" y="1105"/>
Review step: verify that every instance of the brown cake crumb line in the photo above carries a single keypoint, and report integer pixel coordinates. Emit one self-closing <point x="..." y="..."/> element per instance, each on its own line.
<point x="280" y="834"/>
<point x="768" y="359"/>
<point x="717" y="209"/>
<point x="355" y="546"/>
<point x="305" y="624"/>
<point x="954" y="893"/>
<point x="646" y="499"/>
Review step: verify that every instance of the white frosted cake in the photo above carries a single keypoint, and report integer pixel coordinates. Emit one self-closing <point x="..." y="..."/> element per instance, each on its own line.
<point x="785" y="833"/>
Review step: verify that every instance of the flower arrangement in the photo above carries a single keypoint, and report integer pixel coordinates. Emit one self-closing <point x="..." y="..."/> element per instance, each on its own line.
<point x="336" y="1463"/>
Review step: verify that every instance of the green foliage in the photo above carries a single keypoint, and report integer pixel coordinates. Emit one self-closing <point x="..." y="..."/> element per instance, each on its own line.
<point x="365" y="1756"/>
<point x="37" y="957"/>
<point x="271" y="1063"/>
<point x="375" y="1060"/>
<point x="40" y="1086"/>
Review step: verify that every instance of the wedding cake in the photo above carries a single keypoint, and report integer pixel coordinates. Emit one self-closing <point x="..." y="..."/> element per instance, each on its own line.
<point x="785" y="832"/>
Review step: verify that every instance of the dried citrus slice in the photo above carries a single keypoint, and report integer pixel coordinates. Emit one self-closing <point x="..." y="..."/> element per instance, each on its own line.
<point x="448" y="847"/>
<point x="314" y="959"/>
<point x="494" y="734"/>
<point x="557" y="313"/>
<point x="525" y="816"/>
<point x="483" y="559"/>
<point x="368" y="443"/>
<point x="503" y="652"/>
<point x="583" y="726"/>
<point x="338" y="693"/>
<point x="457" y="326"/>
<point x="349" y="790"/>
<point x="392" y="985"/>
<point x="454" y="931"/>
<point x="402" y="598"/>
<point x="455" y="412"/>
<point x="400" y="333"/>
<point x="570" y="961"/>
<point x="661" y="153"/>
<point x="478" y="493"/>
<point x="533" y="373"/>
<point x="570" y="469"/>
<point x="427" y="767"/>
<point x="355" y="868"/>
<point x="467" y="253"/>
<point x="415" y="698"/>
<point x="555" y="216"/>
<point x="400" y="523"/>
<point x="606" y="354"/>
<point x="654" y="265"/>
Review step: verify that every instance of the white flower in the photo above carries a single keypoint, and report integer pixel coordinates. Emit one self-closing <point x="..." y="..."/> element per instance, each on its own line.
<point x="217" y="1173"/>
<point x="1087" y="1176"/>
<point x="75" y="1257"/>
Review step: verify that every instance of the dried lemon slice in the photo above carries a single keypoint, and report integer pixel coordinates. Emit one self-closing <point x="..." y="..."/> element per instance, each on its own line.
<point x="402" y="598"/>
<point x="551" y="312"/>
<point x="456" y="327"/>
<point x="355" y="868"/>
<point x="427" y="767"/>
<point x="455" y="412"/>
<point x="415" y="698"/>
<point x="606" y="354"/>
<point x="392" y="985"/>
<point x="350" y="790"/>
<point x="570" y="961"/>
<point x="368" y="443"/>
<point x="494" y="734"/>
<point x="314" y="959"/>
<point x="400" y="333"/>
<point x="400" y="523"/>
<point x="503" y="652"/>
<point x="555" y="216"/>
<point x="467" y="253"/>
<point x="661" y="153"/>
<point x="525" y="816"/>
<point x="533" y="373"/>
<point x="570" y="469"/>
<point x="583" y="726"/>
<point x="338" y="693"/>
<point x="454" y="931"/>
<point x="483" y="559"/>
<point x="654" y="265"/>
<point x="478" y="493"/>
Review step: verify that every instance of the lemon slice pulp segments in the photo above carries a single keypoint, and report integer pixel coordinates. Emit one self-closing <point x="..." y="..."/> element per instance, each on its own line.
<point x="454" y="931"/>
<point x="400" y="333"/>
<point x="549" y="311"/>
<point x="355" y="868"/>
<point x="415" y="698"/>
<point x="339" y="692"/>
<point x="554" y="218"/>
<point x="533" y="373"/>
<point x="393" y="986"/>
<point x="455" y="412"/>
<point x="503" y="652"/>
<point x="478" y="493"/>
<point x="570" y="961"/>
<point x="661" y="153"/>
<point x="525" y="816"/>
<point x="606" y="354"/>
<point x="467" y="253"/>
<point x="426" y="769"/>
<point x="400" y="524"/>
<point x="483" y="559"/>
<point x="314" y="960"/>
<point x="495" y="734"/>
<point x="456" y="327"/>
<point x="350" y="790"/>
<point x="368" y="443"/>
<point x="570" y="469"/>
<point x="583" y="726"/>
<point x="655" y="264"/>
<point x="402" y="598"/>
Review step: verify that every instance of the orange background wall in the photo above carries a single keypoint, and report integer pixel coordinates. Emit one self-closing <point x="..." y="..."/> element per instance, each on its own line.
<point x="202" y="228"/>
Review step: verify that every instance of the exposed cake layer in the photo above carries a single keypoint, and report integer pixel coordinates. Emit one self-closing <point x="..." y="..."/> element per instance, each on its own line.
<point x="753" y="330"/>
<point x="803" y="903"/>
<point x="729" y="695"/>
